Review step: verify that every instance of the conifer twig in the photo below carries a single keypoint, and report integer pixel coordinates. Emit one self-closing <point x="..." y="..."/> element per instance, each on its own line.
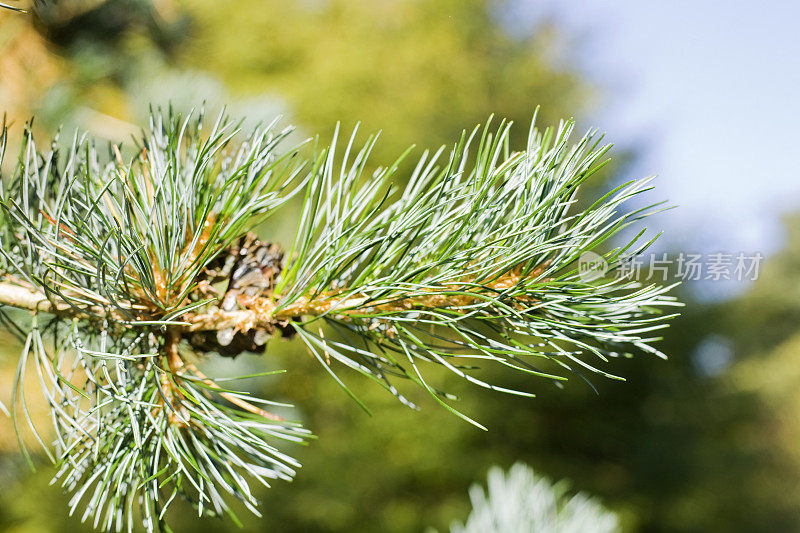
<point x="472" y="260"/>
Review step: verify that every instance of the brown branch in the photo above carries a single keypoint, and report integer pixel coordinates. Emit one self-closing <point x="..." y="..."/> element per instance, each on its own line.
<point x="177" y="415"/>
<point x="263" y="311"/>
<point x="171" y="340"/>
<point x="15" y="295"/>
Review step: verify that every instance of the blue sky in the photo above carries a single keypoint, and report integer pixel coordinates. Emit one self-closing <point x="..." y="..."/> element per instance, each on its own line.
<point x="708" y="91"/>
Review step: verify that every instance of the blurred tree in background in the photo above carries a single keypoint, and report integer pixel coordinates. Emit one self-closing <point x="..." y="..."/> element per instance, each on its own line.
<point x="421" y="70"/>
<point x="684" y="445"/>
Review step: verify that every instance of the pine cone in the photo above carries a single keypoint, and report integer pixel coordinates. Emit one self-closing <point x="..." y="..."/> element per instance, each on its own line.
<point x="251" y="267"/>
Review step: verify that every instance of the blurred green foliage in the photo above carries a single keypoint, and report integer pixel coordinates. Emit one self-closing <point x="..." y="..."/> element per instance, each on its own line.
<point x="675" y="448"/>
<point x="421" y="71"/>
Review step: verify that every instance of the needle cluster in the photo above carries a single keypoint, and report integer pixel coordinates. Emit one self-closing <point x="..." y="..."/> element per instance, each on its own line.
<point x="123" y="269"/>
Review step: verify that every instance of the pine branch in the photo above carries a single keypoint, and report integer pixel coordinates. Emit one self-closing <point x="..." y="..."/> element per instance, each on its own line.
<point x="136" y="269"/>
<point x="522" y="500"/>
<point x="475" y="260"/>
<point x="108" y="256"/>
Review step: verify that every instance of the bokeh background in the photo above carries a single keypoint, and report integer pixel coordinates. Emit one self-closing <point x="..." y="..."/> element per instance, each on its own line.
<point x="701" y="93"/>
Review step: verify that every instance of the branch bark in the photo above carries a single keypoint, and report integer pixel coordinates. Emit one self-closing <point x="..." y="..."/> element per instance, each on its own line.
<point x="16" y="296"/>
<point x="263" y="311"/>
